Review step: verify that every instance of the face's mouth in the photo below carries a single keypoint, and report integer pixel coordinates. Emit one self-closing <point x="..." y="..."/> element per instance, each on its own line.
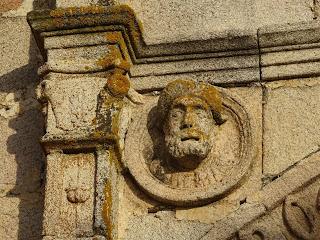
<point x="186" y="138"/>
<point x="191" y="135"/>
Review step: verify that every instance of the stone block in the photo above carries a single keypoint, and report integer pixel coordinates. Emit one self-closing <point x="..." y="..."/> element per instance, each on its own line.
<point x="19" y="55"/>
<point x="291" y="128"/>
<point x="163" y="226"/>
<point x="290" y="181"/>
<point x="20" y="119"/>
<point x="69" y="199"/>
<point x="7" y="5"/>
<point x="21" y="217"/>
<point x="227" y="227"/>
<point x="171" y="21"/>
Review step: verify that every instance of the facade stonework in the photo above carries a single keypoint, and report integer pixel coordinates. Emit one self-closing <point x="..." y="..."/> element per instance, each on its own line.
<point x="160" y="120"/>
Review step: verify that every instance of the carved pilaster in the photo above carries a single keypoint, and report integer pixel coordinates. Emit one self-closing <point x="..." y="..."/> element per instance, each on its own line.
<point x="85" y="93"/>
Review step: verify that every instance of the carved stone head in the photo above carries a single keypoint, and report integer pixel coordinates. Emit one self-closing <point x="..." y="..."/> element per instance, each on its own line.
<point x="189" y="113"/>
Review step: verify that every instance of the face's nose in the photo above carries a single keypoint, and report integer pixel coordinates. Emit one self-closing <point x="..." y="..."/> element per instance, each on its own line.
<point x="188" y="119"/>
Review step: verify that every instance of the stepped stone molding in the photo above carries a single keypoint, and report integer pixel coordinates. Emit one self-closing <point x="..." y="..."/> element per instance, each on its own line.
<point x="289" y="51"/>
<point x="279" y="52"/>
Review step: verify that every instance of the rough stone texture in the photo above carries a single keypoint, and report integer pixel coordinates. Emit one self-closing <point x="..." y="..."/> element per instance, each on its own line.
<point x="14" y="8"/>
<point x="21" y="216"/>
<point x="72" y="103"/>
<point x="21" y="126"/>
<point x="79" y="3"/>
<point x="289" y="115"/>
<point x="291" y="126"/>
<point x="179" y="22"/>
<point x="69" y="195"/>
<point x="218" y="210"/>
<point x="223" y="167"/>
<point x="7" y="5"/>
<point x="162" y="225"/>
<point x="294" y="217"/>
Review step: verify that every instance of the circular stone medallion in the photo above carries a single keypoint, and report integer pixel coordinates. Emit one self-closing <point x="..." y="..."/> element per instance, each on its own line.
<point x="223" y="169"/>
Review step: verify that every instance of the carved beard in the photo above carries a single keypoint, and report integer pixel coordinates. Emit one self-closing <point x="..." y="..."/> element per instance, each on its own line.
<point x="190" y="150"/>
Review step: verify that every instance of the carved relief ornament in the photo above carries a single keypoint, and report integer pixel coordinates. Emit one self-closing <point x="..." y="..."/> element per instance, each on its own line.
<point x="189" y="146"/>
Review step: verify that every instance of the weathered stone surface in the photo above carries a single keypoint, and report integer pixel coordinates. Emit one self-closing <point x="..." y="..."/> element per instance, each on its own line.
<point x="289" y="51"/>
<point x="269" y="227"/>
<point x="21" y="124"/>
<point x="79" y="3"/>
<point x="291" y="126"/>
<point x="69" y="195"/>
<point x="219" y="170"/>
<point x="227" y="227"/>
<point x="7" y="5"/>
<point x="78" y="98"/>
<point x="290" y="181"/>
<point x="162" y="225"/>
<point x="294" y="217"/>
<point x="72" y="103"/>
<point x="172" y="21"/>
<point x="218" y="210"/>
<point x="15" y="8"/>
<point x="21" y="217"/>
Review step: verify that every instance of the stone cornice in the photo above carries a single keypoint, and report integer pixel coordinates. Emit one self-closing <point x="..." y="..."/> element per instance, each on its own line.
<point x="272" y="53"/>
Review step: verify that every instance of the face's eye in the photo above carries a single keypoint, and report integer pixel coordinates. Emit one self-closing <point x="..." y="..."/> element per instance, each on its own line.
<point x="176" y="113"/>
<point x="200" y="112"/>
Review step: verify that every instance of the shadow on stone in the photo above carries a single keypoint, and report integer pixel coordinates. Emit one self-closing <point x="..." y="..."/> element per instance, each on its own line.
<point x="28" y="125"/>
<point x="44" y="4"/>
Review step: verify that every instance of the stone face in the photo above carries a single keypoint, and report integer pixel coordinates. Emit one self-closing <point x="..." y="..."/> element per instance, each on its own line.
<point x="290" y="123"/>
<point x="175" y="162"/>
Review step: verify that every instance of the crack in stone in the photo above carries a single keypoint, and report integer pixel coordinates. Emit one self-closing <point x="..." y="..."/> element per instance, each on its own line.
<point x="270" y="178"/>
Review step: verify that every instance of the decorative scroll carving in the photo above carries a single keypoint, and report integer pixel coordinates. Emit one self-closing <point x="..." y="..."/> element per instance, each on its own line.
<point x="179" y="151"/>
<point x="262" y="232"/>
<point x="302" y="217"/>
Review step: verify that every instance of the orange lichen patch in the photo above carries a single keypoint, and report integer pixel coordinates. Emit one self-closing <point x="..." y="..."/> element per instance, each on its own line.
<point x="185" y="87"/>
<point x="107" y="61"/>
<point x="107" y="209"/>
<point x="7" y="5"/>
<point x="116" y="38"/>
<point x="118" y="85"/>
<point x="211" y="96"/>
<point x="112" y="59"/>
<point x="97" y="134"/>
<point x="124" y="65"/>
<point x="113" y="37"/>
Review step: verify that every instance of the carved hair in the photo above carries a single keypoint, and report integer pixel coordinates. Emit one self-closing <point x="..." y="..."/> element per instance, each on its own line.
<point x="182" y="87"/>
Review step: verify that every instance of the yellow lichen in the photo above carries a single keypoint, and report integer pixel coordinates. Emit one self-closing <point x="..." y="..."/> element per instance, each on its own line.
<point x="118" y="85"/>
<point x="107" y="209"/>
